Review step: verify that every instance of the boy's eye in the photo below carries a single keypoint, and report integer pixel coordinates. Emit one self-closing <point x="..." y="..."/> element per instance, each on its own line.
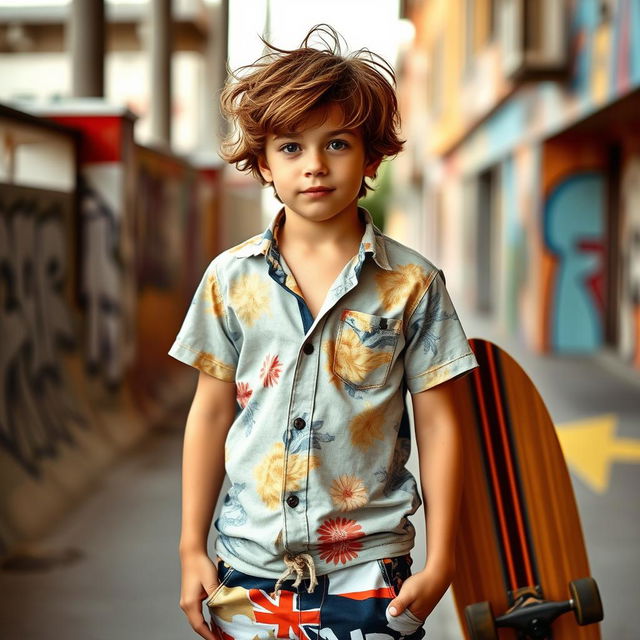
<point x="340" y="144"/>
<point x="287" y="147"/>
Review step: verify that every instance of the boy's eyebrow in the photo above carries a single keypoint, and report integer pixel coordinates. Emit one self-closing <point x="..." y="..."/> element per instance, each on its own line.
<point x="337" y="132"/>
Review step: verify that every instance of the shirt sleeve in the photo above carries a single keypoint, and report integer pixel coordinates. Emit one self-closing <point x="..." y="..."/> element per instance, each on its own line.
<point x="204" y="340"/>
<point x="437" y="348"/>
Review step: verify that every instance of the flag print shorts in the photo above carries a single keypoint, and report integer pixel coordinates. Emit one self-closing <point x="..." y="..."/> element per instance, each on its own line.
<point x="347" y="604"/>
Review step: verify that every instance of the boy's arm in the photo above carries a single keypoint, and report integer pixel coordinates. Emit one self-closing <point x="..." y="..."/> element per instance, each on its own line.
<point x="210" y="416"/>
<point x="440" y="456"/>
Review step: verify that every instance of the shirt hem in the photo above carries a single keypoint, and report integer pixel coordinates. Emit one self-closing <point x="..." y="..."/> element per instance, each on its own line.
<point x="377" y="552"/>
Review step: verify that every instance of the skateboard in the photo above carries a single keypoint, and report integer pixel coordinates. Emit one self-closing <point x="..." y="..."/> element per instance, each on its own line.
<point x="521" y="565"/>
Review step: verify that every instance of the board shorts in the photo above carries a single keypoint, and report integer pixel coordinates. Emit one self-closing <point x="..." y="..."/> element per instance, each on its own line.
<point x="347" y="604"/>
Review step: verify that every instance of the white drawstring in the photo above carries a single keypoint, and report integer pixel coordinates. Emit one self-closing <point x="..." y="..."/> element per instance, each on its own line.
<point x="298" y="564"/>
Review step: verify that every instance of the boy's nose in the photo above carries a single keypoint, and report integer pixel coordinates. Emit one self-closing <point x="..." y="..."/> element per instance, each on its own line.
<point x="315" y="165"/>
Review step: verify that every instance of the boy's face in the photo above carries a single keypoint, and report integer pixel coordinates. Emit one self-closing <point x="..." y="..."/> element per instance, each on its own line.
<point x="320" y="154"/>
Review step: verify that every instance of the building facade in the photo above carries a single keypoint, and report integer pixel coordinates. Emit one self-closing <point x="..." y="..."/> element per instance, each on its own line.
<point x="523" y="121"/>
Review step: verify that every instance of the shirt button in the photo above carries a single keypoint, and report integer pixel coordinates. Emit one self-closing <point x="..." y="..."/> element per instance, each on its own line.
<point x="299" y="423"/>
<point x="293" y="501"/>
<point x="308" y="348"/>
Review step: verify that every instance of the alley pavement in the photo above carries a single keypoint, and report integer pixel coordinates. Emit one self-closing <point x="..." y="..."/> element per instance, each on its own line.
<point x="113" y="570"/>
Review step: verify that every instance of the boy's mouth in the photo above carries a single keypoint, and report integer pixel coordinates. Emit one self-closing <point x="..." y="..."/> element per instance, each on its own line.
<point x="318" y="190"/>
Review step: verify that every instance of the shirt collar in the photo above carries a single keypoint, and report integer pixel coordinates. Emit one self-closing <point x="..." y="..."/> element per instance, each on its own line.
<point x="372" y="241"/>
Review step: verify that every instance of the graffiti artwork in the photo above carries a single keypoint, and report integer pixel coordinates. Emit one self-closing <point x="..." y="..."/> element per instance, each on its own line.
<point x="102" y="267"/>
<point x="37" y="411"/>
<point x="574" y="232"/>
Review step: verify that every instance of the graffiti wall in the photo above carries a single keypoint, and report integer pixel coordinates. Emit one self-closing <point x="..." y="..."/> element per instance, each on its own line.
<point x="39" y="412"/>
<point x="102" y="271"/>
<point x="107" y="287"/>
<point x="573" y="227"/>
<point x="53" y="442"/>
<point x="64" y="411"/>
<point x="86" y="272"/>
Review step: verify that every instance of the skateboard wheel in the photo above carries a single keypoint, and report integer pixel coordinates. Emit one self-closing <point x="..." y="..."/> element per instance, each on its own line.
<point x="480" y="621"/>
<point x="587" y="605"/>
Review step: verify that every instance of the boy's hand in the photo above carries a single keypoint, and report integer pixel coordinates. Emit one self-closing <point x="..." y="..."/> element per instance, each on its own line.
<point x="421" y="592"/>
<point x="199" y="579"/>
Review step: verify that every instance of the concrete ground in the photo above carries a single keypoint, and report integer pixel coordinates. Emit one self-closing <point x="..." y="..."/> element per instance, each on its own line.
<point x="124" y="581"/>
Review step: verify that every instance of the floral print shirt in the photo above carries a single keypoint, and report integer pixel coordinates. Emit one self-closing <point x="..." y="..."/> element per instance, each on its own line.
<point x="316" y="454"/>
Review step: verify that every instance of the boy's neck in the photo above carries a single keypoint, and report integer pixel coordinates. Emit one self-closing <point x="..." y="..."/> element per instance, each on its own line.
<point x="343" y="231"/>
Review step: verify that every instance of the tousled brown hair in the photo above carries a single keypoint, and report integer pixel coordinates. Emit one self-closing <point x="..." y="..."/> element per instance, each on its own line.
<point x="279" y="90"/>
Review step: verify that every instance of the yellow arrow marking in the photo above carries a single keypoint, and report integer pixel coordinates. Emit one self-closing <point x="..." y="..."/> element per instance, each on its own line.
<point x="591" y="447"/>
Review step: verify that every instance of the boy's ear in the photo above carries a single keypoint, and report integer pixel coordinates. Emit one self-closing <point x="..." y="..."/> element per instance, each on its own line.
<point x="265" y="172"/>
<point x="371" y="168"/>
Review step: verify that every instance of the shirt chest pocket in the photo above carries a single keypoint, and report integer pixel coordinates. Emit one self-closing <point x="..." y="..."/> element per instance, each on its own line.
<point x="365" y="348"/>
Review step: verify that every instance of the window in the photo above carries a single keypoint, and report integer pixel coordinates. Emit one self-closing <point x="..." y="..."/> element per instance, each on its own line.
<point x="533" y="37"/>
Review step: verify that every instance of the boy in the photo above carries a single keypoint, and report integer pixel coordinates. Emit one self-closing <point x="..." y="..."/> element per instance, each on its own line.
<point x="316" y="328"/>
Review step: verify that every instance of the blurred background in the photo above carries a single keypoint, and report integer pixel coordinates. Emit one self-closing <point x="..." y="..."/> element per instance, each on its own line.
<point x="520" y="179"/>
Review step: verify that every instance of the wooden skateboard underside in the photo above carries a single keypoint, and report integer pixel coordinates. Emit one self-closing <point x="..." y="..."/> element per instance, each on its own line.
<point x="519" y="522"/>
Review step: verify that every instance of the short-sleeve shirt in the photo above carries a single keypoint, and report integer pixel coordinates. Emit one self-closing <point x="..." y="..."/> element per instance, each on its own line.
<point x="316" y="454"/>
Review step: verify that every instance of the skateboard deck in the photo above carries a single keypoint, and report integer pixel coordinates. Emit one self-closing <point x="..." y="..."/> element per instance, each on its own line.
<point x="519" y="524"/>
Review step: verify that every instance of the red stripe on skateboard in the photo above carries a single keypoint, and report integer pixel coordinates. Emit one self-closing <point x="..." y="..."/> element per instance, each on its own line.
<point x="494" y="481"/>
<point x="510" y="470"/>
